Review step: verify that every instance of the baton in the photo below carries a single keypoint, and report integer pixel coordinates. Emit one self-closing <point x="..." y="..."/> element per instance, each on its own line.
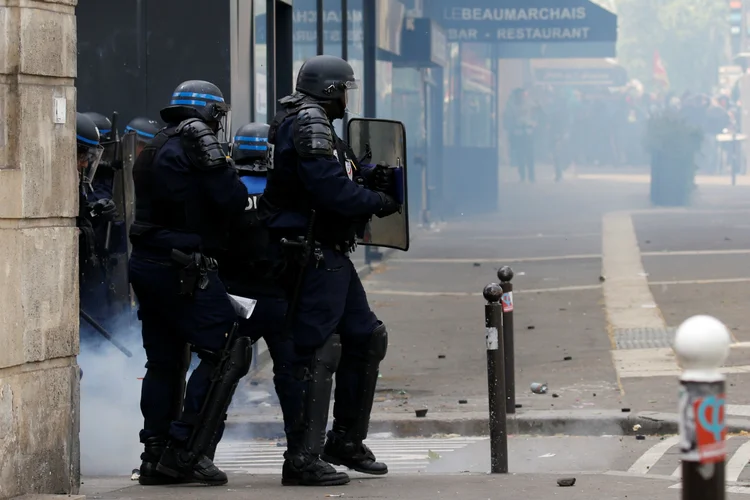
<point x="99" y="328"/>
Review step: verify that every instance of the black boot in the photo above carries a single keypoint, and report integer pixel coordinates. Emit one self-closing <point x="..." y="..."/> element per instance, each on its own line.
<point x="176" y="462"/>
<point x="303" y="469"/>
<point x="341" y="450"/>
<point x="149" y="476"/>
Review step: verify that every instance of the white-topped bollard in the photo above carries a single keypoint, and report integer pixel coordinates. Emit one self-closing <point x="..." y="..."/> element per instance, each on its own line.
<point x="702" y="347"/>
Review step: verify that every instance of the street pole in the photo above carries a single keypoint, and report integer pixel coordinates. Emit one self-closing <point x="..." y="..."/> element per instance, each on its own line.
<point x="702" y="346"/>
<point x="493" y="322"/>
<point x="505" y="275"/>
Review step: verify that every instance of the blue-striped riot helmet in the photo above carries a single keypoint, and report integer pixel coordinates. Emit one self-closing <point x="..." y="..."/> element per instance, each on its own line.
<point x="144" y="130"/>
<point x="198" y="99"/>
<point x="250" y="148"/>
<point x="89" y="149"/>
<point x="103" y="123"/>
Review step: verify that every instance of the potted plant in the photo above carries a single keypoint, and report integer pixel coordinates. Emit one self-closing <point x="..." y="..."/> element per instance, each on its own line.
<point x="673" y="145"/>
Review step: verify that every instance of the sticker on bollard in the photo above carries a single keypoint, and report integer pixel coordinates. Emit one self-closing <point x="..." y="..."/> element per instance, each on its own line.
<point x="702" y="422"/>
<point x="507" y="300"/>
<point x="492" y="340"/>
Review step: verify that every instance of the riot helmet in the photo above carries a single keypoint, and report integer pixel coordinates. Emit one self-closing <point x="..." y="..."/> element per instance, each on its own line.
<point x="330" y="79"/>
<point x="250" y="149"/>
<point x="144" y="130"/>
<point x="103" y="124"/>
<point x="89" y="148"/>
<point x="198" y="99"/>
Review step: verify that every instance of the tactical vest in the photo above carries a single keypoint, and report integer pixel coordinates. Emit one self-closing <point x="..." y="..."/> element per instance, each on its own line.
<point x="285" y="190"/>
<point x="155" y="212"/>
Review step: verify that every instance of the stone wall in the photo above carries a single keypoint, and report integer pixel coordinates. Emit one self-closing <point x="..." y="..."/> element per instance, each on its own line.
<point x="39" y="384"/>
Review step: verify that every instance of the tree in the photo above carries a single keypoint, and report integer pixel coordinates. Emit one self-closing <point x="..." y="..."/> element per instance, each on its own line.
<point x="691" y="36"/>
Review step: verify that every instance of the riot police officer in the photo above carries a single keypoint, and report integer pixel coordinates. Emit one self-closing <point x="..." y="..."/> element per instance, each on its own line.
<point x="89" y="153"/>
<point x="103" y="186"/>
<point x="186" y="189"/>
<point x="144" y="129"/>
<point x="331" y="322"/>
<point x="92" y="215"/>
<point x="247" y="271"/>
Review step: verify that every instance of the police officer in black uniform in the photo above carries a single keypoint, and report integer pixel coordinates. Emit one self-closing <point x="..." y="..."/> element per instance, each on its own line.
<point x="247" y="271"/>
<point x="93" y="214"/>
<point x="104" y="183"/>
<point x="89" y="155"/>
<point x="332" y="325"/>
<point x="186" y="189"/>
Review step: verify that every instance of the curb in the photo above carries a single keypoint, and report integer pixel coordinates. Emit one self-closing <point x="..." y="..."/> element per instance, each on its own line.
<point x="541" y="423"/>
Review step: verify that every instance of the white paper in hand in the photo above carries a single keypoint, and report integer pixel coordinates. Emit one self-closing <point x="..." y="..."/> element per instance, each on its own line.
<point x="243" y="306"/>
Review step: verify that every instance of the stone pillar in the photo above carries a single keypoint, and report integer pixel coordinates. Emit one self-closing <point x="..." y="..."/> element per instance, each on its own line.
<point x="39" y="382"/>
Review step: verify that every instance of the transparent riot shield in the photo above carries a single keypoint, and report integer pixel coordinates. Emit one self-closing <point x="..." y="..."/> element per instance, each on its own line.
<point x="384" y="142"/>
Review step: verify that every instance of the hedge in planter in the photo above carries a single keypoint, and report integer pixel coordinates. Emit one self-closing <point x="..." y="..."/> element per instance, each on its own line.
<point x="673" y="144"/>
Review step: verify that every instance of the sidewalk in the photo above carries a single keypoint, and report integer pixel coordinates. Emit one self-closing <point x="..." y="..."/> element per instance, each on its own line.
<point x="417" y="487"/>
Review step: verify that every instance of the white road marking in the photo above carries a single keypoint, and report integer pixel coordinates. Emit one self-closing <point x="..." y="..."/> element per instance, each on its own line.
<point x="540" y="236"/>
<point x="407" y="293"/>
<point x="729" y="489"/>
<point x="738" y="462"/>
<point x="401" y="455"/>
<point x="691" y="253"/>
<point x="626" y="288"/>
<point x="738" y="410"/>
<point x="498" y="260"/>
<point x="649" y="459"/>
<point x="700" y="282"/>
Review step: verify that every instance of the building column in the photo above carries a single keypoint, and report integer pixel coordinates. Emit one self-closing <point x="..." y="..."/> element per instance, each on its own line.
<point x="39" y="381"/>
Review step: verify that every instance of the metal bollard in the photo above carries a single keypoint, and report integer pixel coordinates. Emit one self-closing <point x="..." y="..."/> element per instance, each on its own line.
<point x="505" y="274"/>
<point x="702" y="346"/>
<point x="493" y="322"/>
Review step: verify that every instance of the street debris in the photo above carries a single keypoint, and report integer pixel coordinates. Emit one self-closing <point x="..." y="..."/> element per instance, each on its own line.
<point x="567" y="481"/>
<point x="519" y="405"/>
<point x="441" y="356"/>
<point x="135" y="475"/>
<point x="477" y="264"/>
<point x="530" y="327"/>
<point x="538" y="388"/>
<point x="555" y="395"/>
<point x="567" y="358"/>
<point x="637" y="427"/>
<point x="626" y="410"/>
<point x="331" y="495"/>
<point x="548" y="455"/>
<point x="421" y="413"/>
<point x="462" y="401"/>
<point x="602" y="279"/>
<point x="640" y="437"/>
<point x="432" y="455"/>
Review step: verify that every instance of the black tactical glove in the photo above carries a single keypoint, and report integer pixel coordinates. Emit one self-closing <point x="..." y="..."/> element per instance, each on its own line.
<point x="104" y="208"/>
<point x="390" y="205"/>
<point x="381" y="178"/>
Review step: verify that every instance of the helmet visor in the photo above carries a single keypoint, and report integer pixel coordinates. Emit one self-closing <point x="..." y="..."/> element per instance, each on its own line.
<point x="90" y="157"/>
<point x="224" y="134"/>
<point x="353" y="97"/>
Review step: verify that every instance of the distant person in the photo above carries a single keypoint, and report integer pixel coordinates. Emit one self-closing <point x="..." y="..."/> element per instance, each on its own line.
<point x="520" y="124"/>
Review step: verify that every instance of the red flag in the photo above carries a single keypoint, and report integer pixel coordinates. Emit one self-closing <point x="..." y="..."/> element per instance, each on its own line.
<point x="659" y="71"/>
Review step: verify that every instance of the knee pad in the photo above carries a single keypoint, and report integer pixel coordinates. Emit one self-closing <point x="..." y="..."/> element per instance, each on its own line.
<point x="378" y="346"/>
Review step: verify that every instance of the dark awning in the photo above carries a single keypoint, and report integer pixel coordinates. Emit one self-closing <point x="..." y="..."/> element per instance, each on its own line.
<point x="530" y="29"/>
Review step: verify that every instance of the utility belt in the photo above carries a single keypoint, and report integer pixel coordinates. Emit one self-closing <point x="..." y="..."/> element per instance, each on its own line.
<point x="193" y="269"/>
